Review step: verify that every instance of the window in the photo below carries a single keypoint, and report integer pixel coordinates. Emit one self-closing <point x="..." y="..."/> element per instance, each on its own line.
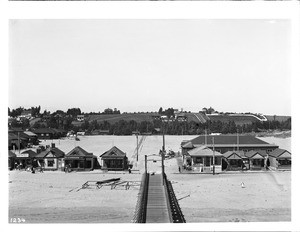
<point x="50" y="162"/>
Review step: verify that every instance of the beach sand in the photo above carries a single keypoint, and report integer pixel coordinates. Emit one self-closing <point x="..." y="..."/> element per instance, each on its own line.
<point x="46" y="197"/>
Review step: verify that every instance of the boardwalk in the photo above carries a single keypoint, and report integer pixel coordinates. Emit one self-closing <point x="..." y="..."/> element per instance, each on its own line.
<point x="157" y="206"/>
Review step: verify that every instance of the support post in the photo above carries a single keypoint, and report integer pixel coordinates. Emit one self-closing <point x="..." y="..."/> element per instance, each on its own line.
<point x="137" y="147"/>
<point x="163" y="157"/>
<point x="145" y="163"/>
<point x="213" y="140"/>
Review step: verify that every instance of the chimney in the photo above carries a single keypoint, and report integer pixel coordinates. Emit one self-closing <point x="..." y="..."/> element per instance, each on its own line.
<point x="38" y="150"/>
<point x="52" y="145"/>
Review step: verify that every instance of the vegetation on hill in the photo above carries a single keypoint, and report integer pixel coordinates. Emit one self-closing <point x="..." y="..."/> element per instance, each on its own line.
<point x="125" y="123"/>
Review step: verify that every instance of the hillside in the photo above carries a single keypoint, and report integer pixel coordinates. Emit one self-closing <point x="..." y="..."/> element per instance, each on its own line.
<point x="277" y="118"/>
<point x="113" y="118"/>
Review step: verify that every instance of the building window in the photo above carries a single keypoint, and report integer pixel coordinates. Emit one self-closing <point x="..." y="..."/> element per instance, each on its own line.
<point x="42" y="134"/>
<point x="50" y="163"/>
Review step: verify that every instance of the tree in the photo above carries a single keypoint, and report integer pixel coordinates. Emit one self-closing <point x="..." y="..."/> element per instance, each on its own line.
<point x="74" y="111"/>
<point x="160" y="111"/>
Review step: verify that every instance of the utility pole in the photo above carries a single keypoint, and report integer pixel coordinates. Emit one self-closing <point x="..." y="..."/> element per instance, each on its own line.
<point x="19" y="141"/>
<point x="238" y="139"/>
<point x="145" y="163"/>
<point x="213" y="140"/>
<point x="137" y="147"/>
<point x="163" y="157"/>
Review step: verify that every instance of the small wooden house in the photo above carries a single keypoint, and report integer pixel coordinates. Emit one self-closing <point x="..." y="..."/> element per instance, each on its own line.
<point x="25" y="158"/>
<point x="205" y="159"/>
<point x="114" y="159"/>
<point x="280" y="159"/>
<point x="80" y="160"/>
<point x="256" y="159"/>
<point x="51" y="158"/>
<point x="236" y="160"/>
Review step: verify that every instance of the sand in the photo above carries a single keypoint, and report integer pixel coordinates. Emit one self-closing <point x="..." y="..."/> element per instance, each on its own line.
<point x="46" y="197"/>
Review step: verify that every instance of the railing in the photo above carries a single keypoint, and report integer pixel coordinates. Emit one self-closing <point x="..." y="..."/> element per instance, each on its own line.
<point x="176" y="214"/>
<point x="141" y="206"/>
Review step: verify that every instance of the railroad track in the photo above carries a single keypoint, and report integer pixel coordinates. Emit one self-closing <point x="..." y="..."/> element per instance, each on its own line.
<point x="157" y="202"/>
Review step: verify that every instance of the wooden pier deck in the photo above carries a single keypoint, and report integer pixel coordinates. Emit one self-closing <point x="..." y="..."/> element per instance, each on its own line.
<point x="157" y="205"/>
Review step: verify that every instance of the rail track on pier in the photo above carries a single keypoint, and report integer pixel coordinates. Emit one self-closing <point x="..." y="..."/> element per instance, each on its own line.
<point x="157" y="202"/>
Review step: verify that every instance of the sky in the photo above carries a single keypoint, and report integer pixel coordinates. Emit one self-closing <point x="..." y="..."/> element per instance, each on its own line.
<point x="140" y="65"/>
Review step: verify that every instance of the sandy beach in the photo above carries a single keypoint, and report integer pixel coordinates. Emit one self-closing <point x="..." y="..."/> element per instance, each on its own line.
<point x="52" y="197"/>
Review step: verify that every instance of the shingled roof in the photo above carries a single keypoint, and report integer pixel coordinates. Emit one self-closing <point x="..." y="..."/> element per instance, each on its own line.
<point x="279" y="152"/>
<point x="30" y="153"/>
<point x="252" y="153"/>
<point x="113" y="152"/>
<point x="228" y="140"/>
<point x="54" y="150"/>
<point x="79" y="152"/>
<point x="234" y="155"/>
<point x="203" y="151"/>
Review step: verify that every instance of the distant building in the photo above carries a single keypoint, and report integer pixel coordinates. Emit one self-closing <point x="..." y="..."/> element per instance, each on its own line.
<point x="114" y="159"/>
<point x="80" y="118"/>
<point x="26" y="114"/>
<point x="44" y="133"/>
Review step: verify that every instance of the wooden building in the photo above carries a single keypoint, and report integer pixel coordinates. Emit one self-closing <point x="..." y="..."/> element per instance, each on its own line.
<point x="235" y="161"/>
<point x="44" y="133"/>
<point x="201" y="159"/>
<point x="51" y="158"/>
<point x="25" y="159"/>
<point x="80" y="160"/>
<point x="224" y="143"/>
<point x="114" y="159"/>
<point x="257" y="159"/>
<point x="280" y="159"/>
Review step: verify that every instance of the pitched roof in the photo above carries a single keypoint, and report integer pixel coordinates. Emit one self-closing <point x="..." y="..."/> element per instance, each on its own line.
<point x="54" y="150"/>
<point x="203" y="151"/>
<point x="234" y="155"/>
<point x="188" y="145"/>
<point x="79" y="152"/>
<point x="30" y="153"/>
<point x="11" y="154"/>
<point x="29" y="133"/>
<point x="228" y="139"/>
<point x="252" y="153"/>
<point x="113" y="152"/>
<point x="43" y="131"/>
<point x="278" y="152"/>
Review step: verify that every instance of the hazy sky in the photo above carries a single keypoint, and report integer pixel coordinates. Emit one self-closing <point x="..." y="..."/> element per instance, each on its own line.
<point x="140" y="65"/>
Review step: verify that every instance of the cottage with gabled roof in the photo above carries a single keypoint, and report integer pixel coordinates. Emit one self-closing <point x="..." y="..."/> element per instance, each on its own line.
<point x="236" y="160"/>
<point x="80" y="160"/>
<point x="51" y="158"/>
<point x="280" y="159"/>
<point x="204" y="159"/>
<point x="114" y="159"/>
<point x="256" y="159"/>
